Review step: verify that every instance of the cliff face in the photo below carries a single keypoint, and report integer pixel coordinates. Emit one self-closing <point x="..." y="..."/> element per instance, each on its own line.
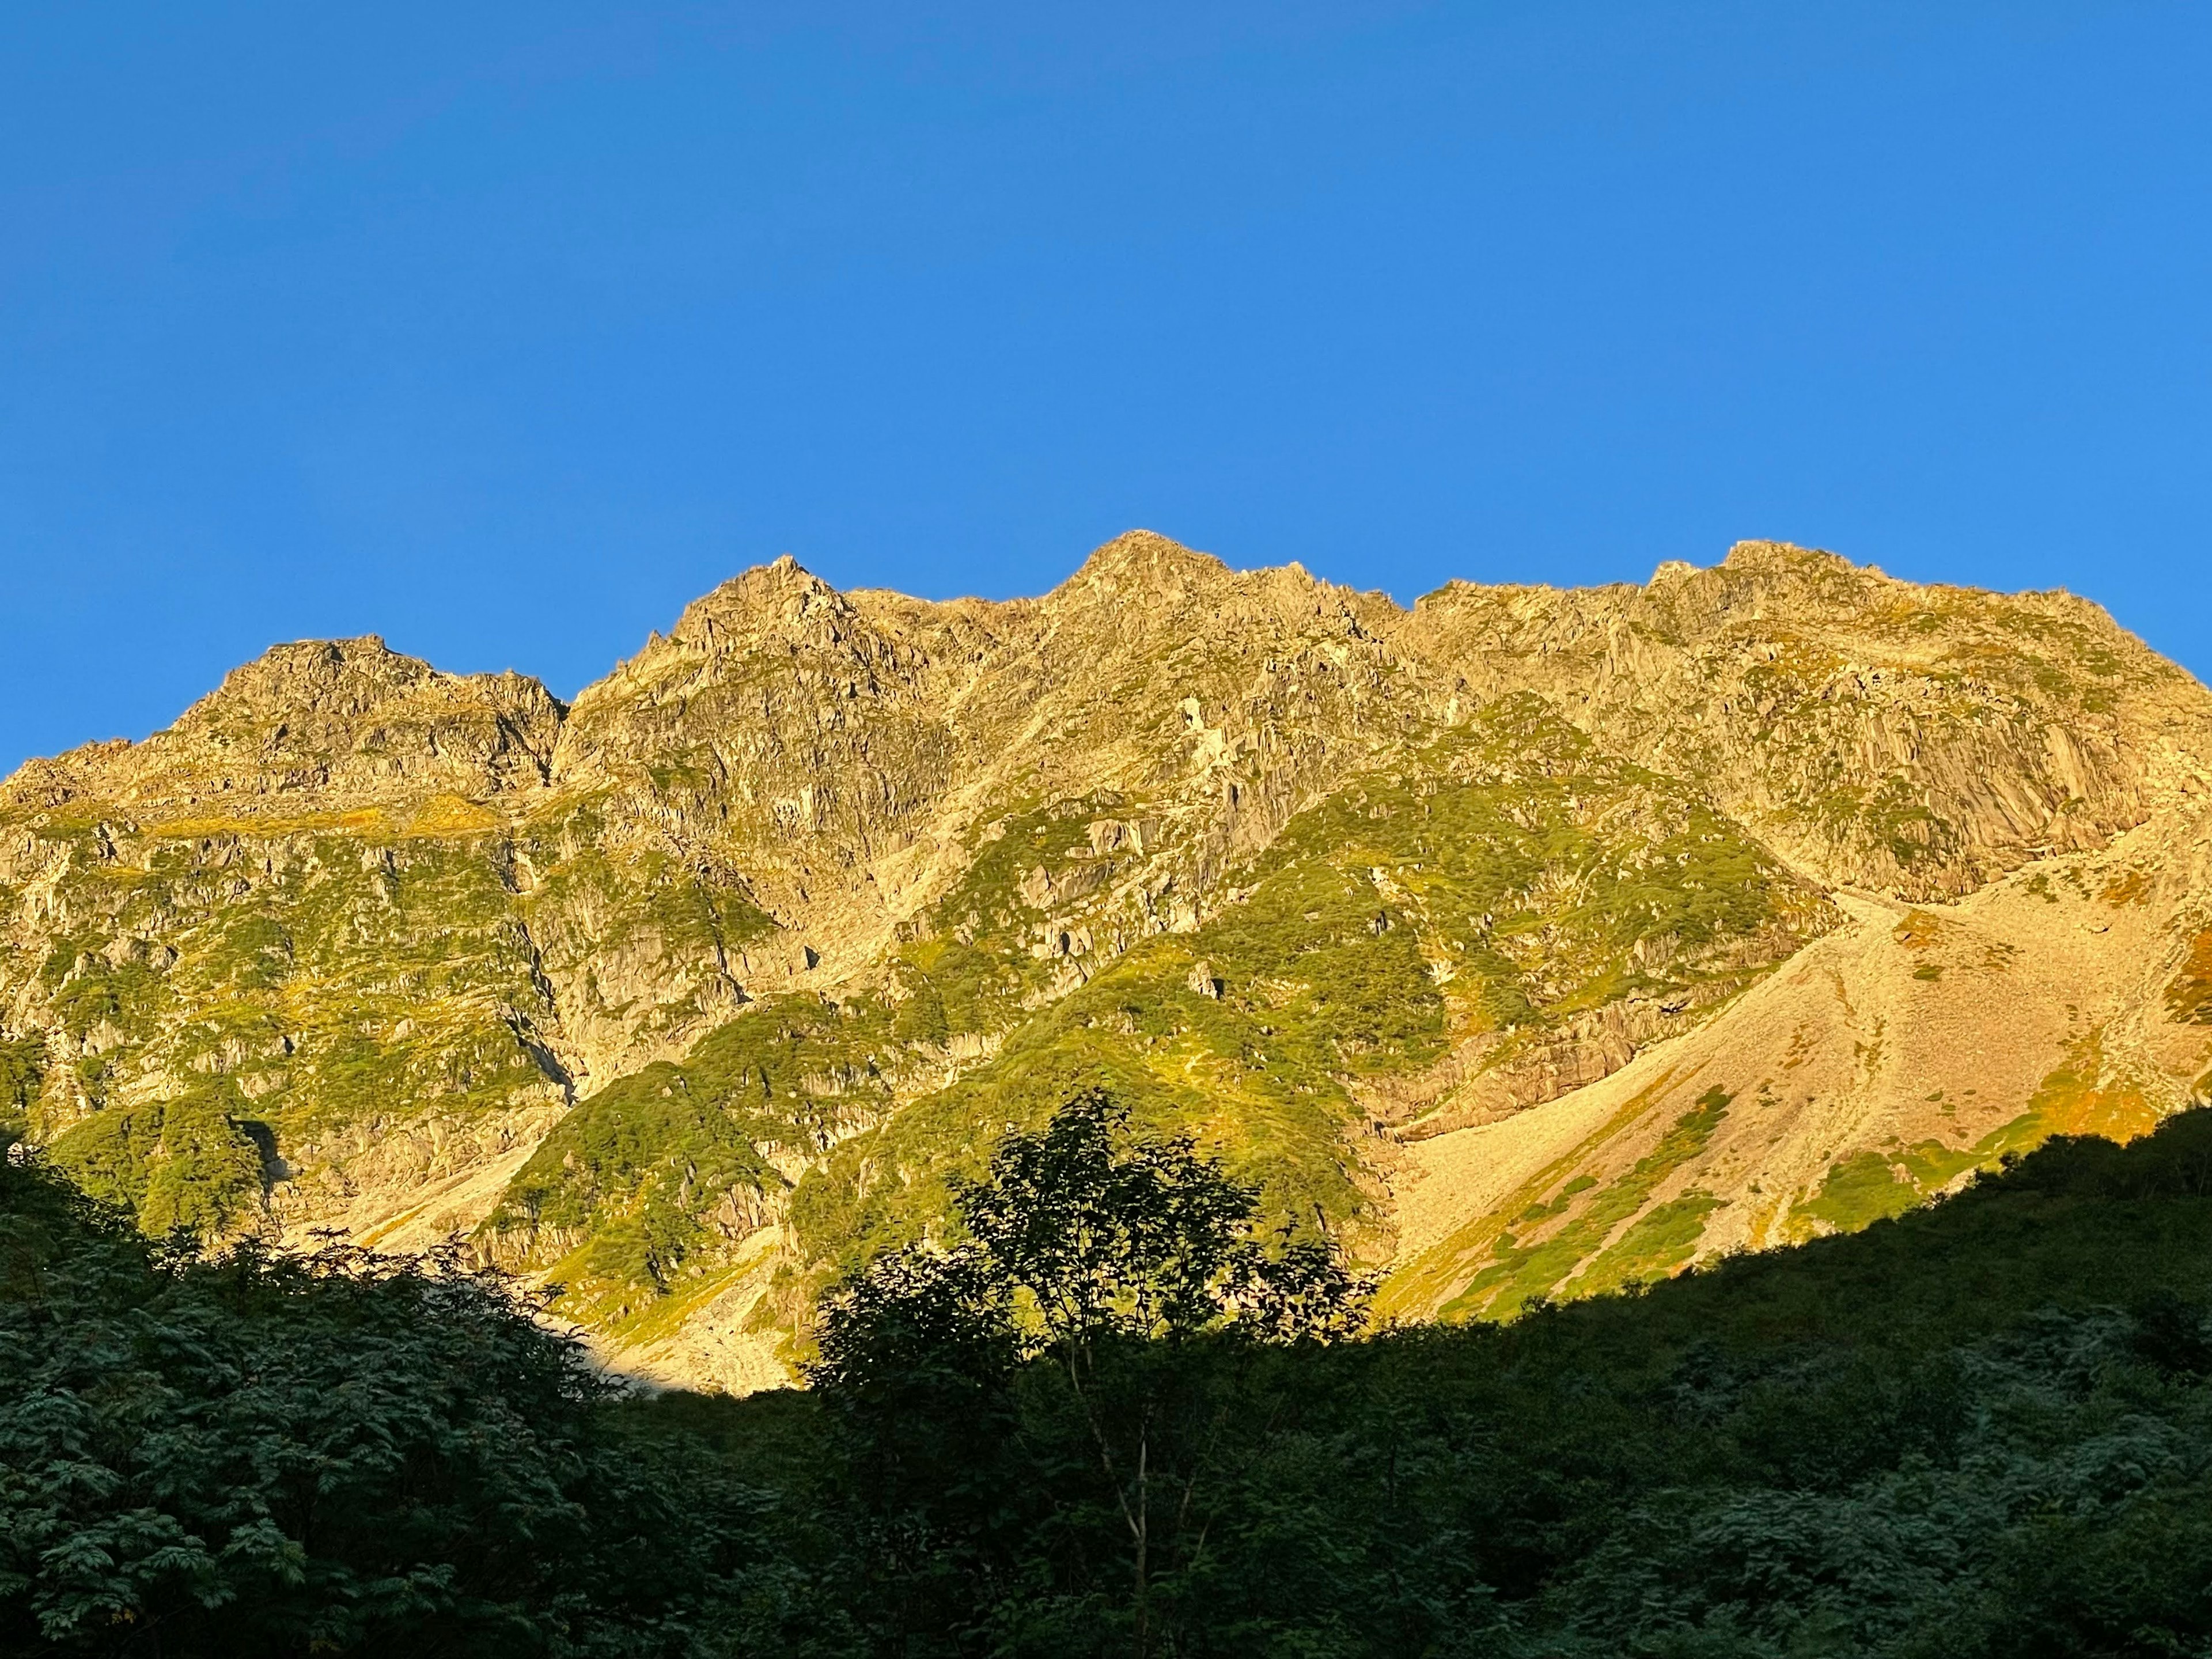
<point x="696" y="990"/>
<point x="1918" y="740"/>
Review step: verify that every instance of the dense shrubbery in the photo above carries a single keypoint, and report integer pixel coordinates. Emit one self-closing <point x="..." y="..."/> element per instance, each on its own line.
<point x="1984" y="1428"/>
<point x="338" y="1455"/>
<point x="1097" y="1419"/>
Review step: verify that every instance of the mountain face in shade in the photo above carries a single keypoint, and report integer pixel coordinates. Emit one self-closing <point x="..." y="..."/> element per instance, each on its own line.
<point x="1535" y="942"/>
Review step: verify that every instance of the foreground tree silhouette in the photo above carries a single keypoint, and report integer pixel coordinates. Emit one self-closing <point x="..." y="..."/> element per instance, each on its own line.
<point x="1100" y="1256"/>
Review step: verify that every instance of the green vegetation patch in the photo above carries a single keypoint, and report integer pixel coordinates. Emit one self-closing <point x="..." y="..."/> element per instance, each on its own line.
<point x="969" y="966"/>
<point x="1543" y="876"/>
<point x="22" y="1074"/>
<point x="647" y="1185"/>
<point x="125" y="996"/>
<point x="1260" y="1096"/>
<point x="630" y="1187"/>
<point x="1519" y="1274"/>
<point x="2075" y="1099"/>
<point x="1322" y="952"/>
<point x="249" y="951"/>
<point x="1659" y="1244"/>
<point x="1862" y="1189"/>
<point x="182" y="1165"/>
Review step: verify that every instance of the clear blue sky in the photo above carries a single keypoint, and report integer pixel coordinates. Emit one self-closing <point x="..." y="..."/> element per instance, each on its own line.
<point x="503" y="330"/>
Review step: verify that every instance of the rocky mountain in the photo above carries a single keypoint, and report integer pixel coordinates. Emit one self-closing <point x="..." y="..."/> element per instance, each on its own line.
<point x="1535" y="942"/>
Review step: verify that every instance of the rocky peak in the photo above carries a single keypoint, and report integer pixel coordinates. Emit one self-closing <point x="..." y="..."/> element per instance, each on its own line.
<point x="1147" y="594"/>
<point x="776" y="709"/>
<point x="1757" y="556"/>
<point x="1756" y="577"/>
<point x="782" y="601"/>
<point x="1144" y="561"/>
<point x="348" y="719"/>
<point x="340" y="679"/>
<point x="776" y="630"/>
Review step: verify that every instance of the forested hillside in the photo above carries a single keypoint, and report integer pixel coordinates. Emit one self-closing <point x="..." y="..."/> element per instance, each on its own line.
<point x="1979" y="1428"/>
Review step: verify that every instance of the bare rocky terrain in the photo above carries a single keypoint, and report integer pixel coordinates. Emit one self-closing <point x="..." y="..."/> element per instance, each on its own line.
<point x="1536" y="942"/>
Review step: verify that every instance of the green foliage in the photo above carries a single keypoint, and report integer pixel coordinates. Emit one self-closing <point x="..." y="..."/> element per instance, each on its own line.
<point x="1088" y="1231"/>
<point x="101" y="995"/>
<point x="970" y="965"/>
<point x="1316" y="949"/>
<point x="640" y="1172"/>
<point x="1862" y="1189"/>
<point x="355" y="978"/>
<point x="23" y="1074"/>
<point x="257" y="1456"/>
<point x="1511" y="861"/>
<point x="183" y="1164"/>
<point x="1983" y="1429"/>
<point x="1181" y="1062"/>
<point x="1097" y="1231"/>
<point x="252" y="951"/>
<point x="645" y="1185"/>
<point x="1661" y="1240"/>
<point x="1102" y="1253"/>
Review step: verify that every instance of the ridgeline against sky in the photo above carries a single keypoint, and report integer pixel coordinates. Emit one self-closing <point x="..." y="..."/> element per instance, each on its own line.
<point x="504" y="332"/>
<point x="1529" y="942"/>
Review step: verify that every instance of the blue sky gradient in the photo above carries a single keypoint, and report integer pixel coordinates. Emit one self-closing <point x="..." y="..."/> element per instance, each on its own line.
<point x="504" y="330"/>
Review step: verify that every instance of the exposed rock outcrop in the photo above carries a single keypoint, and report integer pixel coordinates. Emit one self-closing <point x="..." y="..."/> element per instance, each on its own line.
<point x="690" y="993"/>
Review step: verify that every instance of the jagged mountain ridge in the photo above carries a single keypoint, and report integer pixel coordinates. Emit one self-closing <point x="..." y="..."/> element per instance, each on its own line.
<point x="687" y="992"/>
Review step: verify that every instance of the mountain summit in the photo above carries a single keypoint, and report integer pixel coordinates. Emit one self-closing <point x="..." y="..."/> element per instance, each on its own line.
<point x="1534" y="941"/>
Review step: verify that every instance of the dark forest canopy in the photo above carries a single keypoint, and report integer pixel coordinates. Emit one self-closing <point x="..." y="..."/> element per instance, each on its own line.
<point x="1109" y="1415"/>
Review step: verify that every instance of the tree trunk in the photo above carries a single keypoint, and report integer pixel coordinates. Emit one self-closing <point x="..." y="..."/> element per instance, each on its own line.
<point x="1144" y="1528"/>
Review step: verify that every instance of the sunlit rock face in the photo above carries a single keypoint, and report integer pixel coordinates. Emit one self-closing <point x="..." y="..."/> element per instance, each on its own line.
<point x="1533" y="941"/>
